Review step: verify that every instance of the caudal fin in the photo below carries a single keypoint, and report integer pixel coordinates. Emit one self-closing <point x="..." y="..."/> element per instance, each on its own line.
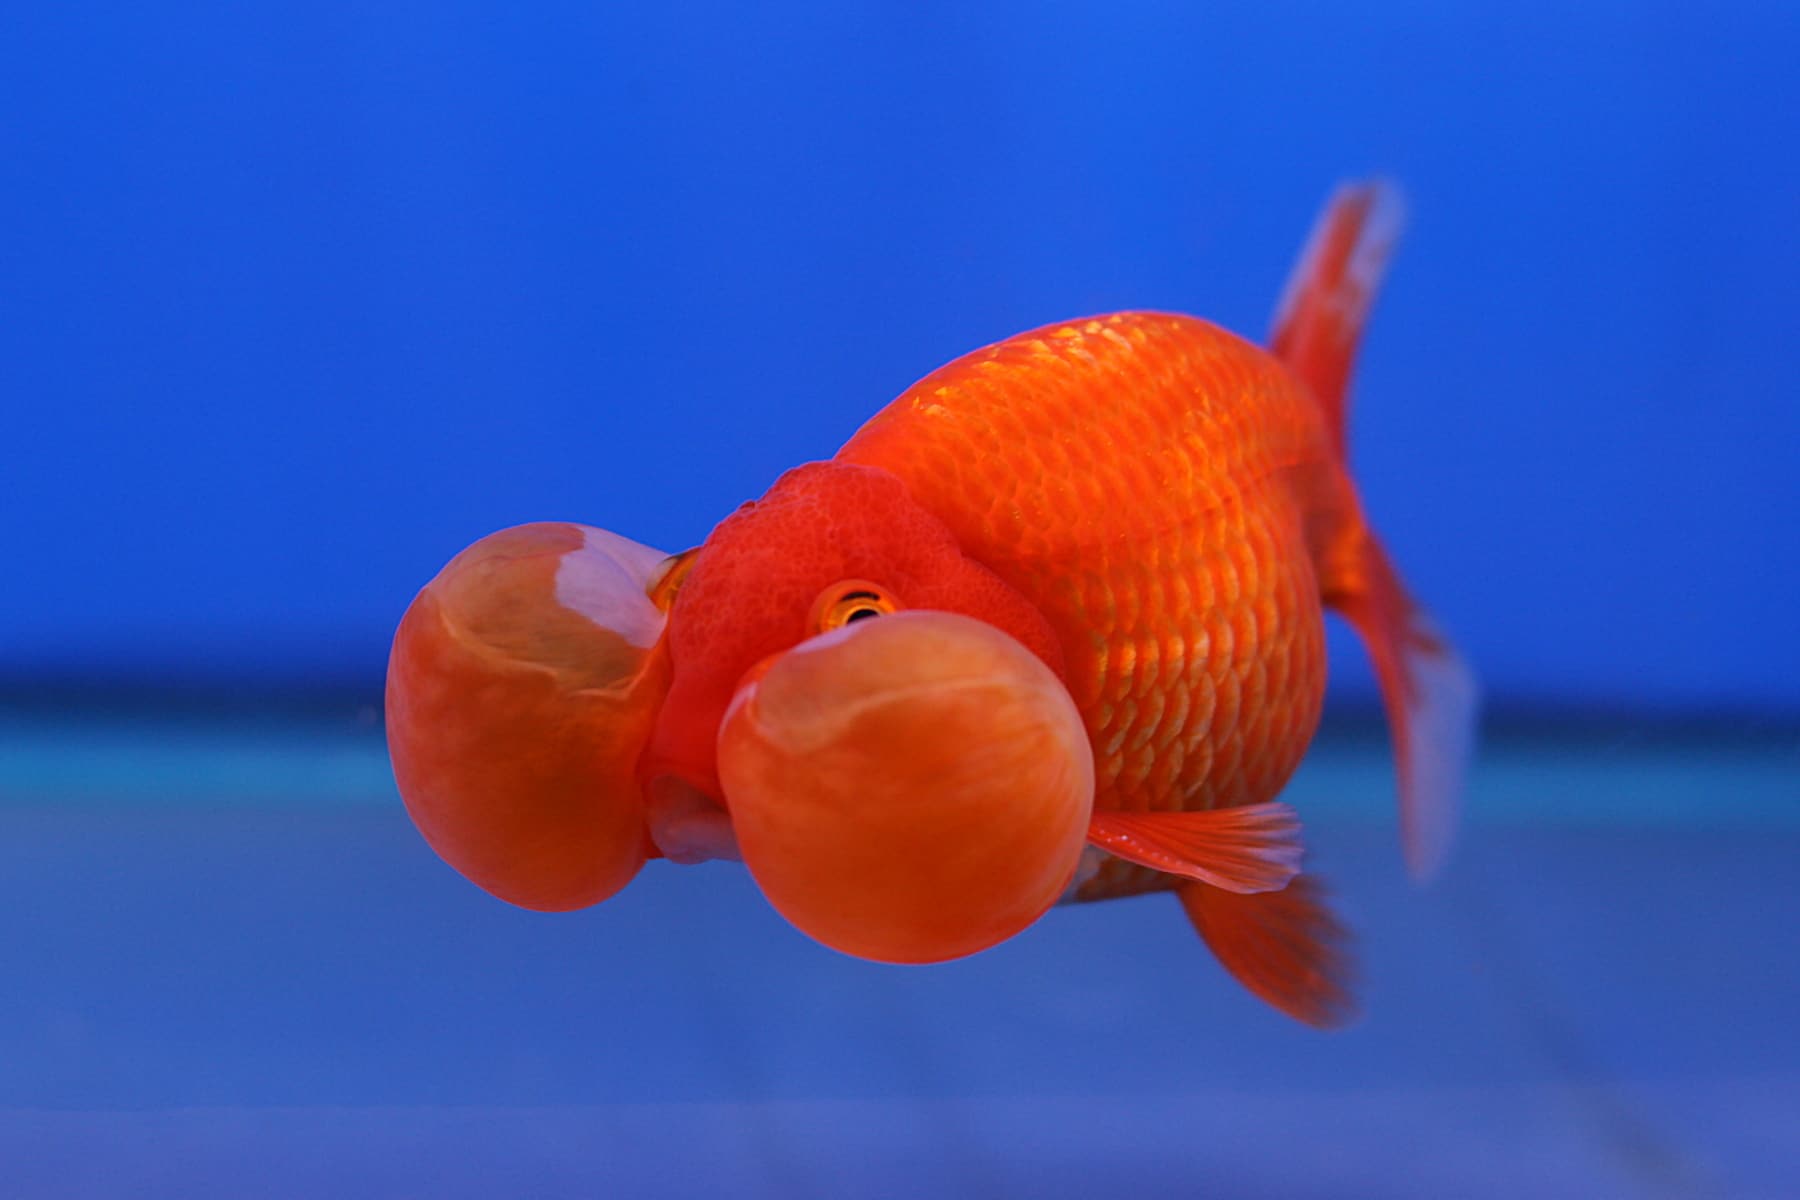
<point x="1431" y="699"/>
<point x="1319" y="321"/>
<point x="1429" y="693"/>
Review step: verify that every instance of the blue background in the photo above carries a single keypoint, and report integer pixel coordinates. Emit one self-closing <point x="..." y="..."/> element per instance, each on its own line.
<point x="300" y="299"/>
<point x="297" y="300"/>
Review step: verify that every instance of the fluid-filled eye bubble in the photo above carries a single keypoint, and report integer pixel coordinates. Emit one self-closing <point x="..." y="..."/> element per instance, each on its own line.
<point x="522" y="685"/>
<point x="909" y="789"/>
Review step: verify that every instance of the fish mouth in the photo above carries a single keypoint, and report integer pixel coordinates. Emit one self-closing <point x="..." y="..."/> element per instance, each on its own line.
<point x="687" y="825"/>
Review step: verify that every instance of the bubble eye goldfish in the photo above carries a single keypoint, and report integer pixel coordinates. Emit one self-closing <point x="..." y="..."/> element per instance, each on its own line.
<point x="1049" y="626"/>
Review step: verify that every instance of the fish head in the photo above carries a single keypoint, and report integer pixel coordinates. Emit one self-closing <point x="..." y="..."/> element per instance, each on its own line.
<point x="829" y="545"/>
<point x="564" y="704"/>
<point x="873" y="722"/>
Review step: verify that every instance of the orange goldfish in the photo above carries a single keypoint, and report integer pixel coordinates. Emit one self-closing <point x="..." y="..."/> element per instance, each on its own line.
<point x="1049" y="626"/>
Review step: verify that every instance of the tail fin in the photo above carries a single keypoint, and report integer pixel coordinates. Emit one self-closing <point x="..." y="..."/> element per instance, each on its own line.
<point x="1320" y="318"/>
<point x="1430" y="695"/>
<point x="1431" y="698"/>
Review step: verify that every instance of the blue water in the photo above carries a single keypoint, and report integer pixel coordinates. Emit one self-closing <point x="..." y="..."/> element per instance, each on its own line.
<point x="299" y="299"/>
<point x="303" y="298"/>
<point x="234" y="968"/>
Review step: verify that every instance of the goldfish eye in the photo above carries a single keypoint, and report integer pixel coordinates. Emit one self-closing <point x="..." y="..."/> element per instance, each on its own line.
<point x="666" y="578"/>
<point x="851" y="600"/>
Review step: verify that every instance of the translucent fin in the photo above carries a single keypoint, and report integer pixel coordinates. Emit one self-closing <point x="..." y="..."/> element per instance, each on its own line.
<point x="1431" y="697"/>
<point x="1286" y="947"/>
<point x="1319" y="321"/>
<point x="1253" y="848"/>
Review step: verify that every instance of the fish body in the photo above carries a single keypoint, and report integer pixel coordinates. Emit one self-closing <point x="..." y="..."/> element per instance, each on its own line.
<point x="1111" y="543"/>
<point x="1161" y="510"/>
<point x="1165" y="493"/>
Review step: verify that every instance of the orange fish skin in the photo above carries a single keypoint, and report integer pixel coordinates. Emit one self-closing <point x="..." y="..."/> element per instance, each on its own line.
<point x="1166" y="493"/>
<point x="1160" y="511"/>
<point x="754" y="582"/>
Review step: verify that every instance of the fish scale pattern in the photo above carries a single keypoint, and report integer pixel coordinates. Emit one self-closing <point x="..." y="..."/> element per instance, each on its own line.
<point x="1144" y="479"/>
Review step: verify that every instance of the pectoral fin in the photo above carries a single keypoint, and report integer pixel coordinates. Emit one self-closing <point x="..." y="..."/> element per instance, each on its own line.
<point x="1251" y="848"/>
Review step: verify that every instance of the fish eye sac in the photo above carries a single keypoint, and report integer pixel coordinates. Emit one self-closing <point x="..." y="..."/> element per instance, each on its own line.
<point x="851" y="600"/>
